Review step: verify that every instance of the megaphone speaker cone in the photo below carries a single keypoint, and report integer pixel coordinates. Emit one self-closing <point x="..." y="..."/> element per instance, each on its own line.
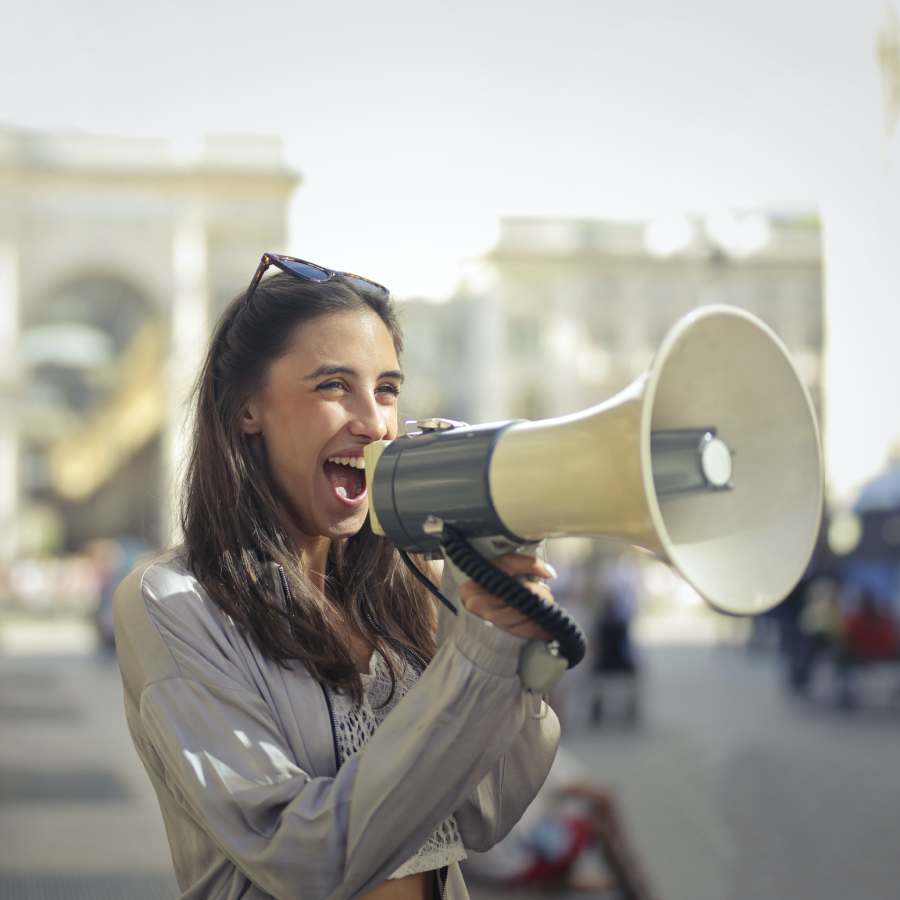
<point x="742" y="538"/>
<point x="745" y="548"/>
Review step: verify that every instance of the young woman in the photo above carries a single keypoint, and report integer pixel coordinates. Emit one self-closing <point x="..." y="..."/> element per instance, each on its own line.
<point x="313" y="725"/>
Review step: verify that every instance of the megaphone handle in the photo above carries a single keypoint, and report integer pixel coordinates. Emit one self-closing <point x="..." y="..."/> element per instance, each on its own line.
<point x="540" y="663"/>
<point x="491" y="548"/>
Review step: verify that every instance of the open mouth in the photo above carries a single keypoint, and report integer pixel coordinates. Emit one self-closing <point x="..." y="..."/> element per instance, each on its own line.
<point x="347" y="475"/>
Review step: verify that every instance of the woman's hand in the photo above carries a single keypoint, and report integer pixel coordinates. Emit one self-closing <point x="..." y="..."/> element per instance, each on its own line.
<point x="494" y="610"/>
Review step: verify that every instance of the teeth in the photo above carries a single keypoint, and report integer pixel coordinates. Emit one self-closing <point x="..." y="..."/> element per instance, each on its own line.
<point x="341" y="491"/>
<point x="355" y="462"/>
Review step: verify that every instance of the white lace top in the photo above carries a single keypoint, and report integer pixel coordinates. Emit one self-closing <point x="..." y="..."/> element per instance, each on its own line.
<point x="355" y="725"/>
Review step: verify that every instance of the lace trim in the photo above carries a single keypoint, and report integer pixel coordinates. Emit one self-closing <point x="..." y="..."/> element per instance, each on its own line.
<point x="426" y="861"/>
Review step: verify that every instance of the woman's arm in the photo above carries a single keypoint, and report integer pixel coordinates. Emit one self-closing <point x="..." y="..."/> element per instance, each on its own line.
<point x="490" y="811"/>
<point x="493" y="808"/>
<point x="223" y="756"/>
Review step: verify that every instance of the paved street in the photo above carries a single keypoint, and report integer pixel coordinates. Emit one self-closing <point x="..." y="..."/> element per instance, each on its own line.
<point x="732" y="791"/>
<point x="735" y="790"/>
<point x="78" y="819"/>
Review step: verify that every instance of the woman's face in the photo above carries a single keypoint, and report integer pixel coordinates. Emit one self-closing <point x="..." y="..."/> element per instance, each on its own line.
<point x="334" y="391"/>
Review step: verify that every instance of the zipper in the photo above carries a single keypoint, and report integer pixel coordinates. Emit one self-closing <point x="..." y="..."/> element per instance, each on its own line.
<point x="442" y="881"/>
<point x="419" y="663"/>
<point x="415" y="659"/>
<point x="284" y="585"/>
<point x="334" y="743"/>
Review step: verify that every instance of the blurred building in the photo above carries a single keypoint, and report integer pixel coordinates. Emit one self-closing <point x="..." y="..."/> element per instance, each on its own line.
<point x="564" y="313"/>
<point x="115" y="257"/>
<point x="861" y="210"/>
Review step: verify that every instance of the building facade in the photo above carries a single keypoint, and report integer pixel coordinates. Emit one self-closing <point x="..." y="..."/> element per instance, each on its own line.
<point x="116" y="255"/>
<point x="562" y="314"/>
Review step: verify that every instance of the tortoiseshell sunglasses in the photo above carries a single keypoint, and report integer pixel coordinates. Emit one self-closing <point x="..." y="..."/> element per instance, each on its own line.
<point x="308" y="271"/>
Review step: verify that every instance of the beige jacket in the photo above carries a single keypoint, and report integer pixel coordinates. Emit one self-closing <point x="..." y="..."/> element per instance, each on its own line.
<point x="241" y="754"/>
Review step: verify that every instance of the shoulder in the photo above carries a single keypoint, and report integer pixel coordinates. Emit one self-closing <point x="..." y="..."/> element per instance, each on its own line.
<point x="162" y="588"/>
<point x="167" y="625"/>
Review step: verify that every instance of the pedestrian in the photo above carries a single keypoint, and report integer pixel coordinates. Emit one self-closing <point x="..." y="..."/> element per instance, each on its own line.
<point x="868" y="636"/>
<point x="313" y="726"/>
<point x="819" y="629"/>
<point x="615" y="659"/>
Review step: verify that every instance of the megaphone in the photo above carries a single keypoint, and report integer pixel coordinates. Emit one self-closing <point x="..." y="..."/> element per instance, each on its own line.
<point x="711" y="460"/>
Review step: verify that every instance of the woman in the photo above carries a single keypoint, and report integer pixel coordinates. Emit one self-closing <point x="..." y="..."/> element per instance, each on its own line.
<point x="312" y="726"/>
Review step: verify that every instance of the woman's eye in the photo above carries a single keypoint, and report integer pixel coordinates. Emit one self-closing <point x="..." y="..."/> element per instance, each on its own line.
<point x="390" y="389"/>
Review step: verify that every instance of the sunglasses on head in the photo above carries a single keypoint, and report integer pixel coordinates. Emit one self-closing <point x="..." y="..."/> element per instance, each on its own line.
<point x="307" y="271"/>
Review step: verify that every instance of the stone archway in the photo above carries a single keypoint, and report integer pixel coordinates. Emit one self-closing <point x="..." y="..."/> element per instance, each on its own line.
<point x="115" y="254"/>
<point x="92" y="352"/>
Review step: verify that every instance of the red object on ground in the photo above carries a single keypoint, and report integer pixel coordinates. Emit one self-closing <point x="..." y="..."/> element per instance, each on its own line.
<point x="871" y="635"/>
<point x="543" y="870"/>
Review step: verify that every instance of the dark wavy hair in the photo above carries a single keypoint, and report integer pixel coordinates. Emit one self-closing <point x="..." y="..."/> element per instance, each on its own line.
<point x="234" y="522"/>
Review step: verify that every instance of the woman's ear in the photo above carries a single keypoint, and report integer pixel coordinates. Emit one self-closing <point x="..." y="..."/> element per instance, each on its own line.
<point x="250" y="422"/>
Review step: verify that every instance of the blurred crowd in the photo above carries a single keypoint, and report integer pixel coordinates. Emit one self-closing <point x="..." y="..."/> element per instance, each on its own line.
<point x="842" y="621"/>
<point x="836" y="626"/>
<point x="77" y="584"/>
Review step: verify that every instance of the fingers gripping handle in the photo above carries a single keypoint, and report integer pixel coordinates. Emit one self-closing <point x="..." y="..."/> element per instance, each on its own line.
<point x="541" y="663"/>
<point x="490" y="548"/>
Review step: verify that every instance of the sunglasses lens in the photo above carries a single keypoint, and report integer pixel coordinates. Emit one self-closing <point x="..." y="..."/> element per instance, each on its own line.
<point x="364" y="286"/>
<point x="311" y="272"/>
<point x="307" y="271"/>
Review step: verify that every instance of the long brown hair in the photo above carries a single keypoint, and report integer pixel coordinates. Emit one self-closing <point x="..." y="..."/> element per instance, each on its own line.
<point x="234" y="524"/>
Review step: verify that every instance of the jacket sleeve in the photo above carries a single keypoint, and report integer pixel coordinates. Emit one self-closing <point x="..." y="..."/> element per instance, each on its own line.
<point x="223" y="756"/>
<point x="488" y="814"/>
<point x="493" y="808"/>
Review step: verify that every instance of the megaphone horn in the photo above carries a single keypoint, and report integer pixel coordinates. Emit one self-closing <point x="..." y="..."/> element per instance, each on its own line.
<point x="711" y="460"/>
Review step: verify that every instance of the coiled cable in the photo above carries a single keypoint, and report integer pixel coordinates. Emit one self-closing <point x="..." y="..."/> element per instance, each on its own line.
<point x="552" y="618"/>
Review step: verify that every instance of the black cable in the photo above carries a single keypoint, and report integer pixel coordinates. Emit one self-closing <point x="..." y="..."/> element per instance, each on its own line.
<point x="427" y="581"/>
<point x="552" y="618"/>
<point x="565" y="630"/>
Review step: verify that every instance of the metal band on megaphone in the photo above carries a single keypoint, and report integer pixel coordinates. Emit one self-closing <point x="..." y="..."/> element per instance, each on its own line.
<point x="407" y="493"/>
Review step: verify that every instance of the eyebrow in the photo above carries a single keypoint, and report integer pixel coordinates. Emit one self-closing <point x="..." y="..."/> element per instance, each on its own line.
<point x="347" y="370"/>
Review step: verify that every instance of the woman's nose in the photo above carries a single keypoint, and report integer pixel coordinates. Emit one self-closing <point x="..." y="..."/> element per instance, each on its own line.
<point x="370" y="420"/>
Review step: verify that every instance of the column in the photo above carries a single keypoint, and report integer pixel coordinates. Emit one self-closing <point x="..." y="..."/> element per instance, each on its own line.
<point x="187" y="340"/>
<point x="9" y="400"/>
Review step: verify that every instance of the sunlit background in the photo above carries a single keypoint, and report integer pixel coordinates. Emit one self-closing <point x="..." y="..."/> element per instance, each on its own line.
<point x="546" y="188"/>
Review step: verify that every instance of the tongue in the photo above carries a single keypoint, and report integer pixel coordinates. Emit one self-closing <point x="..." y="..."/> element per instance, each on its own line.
<point x="352" y="482"/>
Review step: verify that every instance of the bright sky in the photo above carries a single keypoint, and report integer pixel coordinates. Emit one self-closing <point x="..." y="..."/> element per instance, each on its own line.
<point x="416" y="124"/>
